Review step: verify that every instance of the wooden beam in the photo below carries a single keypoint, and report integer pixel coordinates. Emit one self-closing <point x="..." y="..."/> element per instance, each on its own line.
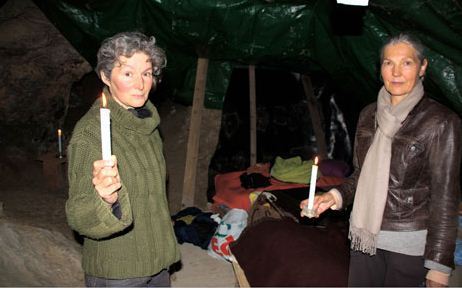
<point x="239" y="274"/>
<point x="192" y="150"/>
<point x="253" y="116"/>
<point x="315" y="117"/>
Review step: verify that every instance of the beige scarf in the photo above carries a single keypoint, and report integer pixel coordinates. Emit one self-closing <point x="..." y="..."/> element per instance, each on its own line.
<point x="371" y="192"/>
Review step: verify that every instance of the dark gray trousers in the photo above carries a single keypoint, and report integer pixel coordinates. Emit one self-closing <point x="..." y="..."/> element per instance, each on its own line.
<point x="386" y="269"/>
<point x="161" y="279"/>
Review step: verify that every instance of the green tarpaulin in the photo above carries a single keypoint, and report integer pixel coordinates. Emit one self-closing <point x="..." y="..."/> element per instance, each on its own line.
<point x="314" y="37"/>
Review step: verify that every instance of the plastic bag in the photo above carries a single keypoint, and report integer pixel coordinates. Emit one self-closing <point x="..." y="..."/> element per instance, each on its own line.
<point x="229" y="229"/>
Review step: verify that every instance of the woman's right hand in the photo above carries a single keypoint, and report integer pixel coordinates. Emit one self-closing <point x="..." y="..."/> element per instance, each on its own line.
<point x="321" y="203"/>
<point x="106" y="179"/>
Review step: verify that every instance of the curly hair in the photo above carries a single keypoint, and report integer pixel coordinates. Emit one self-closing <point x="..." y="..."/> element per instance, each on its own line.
<point x="126" y="44"/>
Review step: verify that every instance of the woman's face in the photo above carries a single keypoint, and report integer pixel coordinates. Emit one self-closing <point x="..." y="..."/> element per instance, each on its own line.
<point x="131" y="80"/>
<point x="401" y="68"/>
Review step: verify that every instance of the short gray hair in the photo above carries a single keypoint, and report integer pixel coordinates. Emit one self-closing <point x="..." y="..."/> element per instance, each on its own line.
<point x="126" y="44"/>
<point x="408" y="39"/>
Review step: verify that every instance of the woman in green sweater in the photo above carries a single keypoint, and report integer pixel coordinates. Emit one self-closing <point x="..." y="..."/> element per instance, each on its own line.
<point x="119" y="205"/>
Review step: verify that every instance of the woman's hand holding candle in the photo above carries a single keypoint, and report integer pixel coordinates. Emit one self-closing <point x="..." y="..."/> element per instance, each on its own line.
<point x="320" y="204"/>
<point x="106" y="179"/>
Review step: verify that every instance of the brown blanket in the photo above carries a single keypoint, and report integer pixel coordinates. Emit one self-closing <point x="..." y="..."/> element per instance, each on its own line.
<point x="286" y="253"/>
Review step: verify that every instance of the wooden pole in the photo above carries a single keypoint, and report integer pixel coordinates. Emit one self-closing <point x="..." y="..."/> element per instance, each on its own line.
<point x="253" y="116"/>
<point x="192" y="150"/>
<point x="239" y="273"/>
<point x="315" y="117"/>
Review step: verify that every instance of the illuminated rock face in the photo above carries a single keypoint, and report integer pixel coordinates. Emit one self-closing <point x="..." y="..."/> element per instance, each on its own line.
<point x="27" y="250"/>
<point x="38" y="68"/>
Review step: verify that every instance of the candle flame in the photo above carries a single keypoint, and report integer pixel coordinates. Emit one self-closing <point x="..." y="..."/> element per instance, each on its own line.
<point x="316" y="160"/>
<point x="59" y="132"/>
<point x="103" y="100"/>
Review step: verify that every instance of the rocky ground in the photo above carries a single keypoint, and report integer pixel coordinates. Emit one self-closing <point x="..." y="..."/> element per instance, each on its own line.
<point x="39" y="249"/>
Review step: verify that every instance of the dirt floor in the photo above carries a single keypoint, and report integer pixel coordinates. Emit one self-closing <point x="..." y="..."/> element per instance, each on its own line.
<point x="39" y="249"/>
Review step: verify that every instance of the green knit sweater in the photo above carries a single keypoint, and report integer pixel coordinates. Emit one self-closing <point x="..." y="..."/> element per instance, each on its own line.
<point x="142" y="242"/>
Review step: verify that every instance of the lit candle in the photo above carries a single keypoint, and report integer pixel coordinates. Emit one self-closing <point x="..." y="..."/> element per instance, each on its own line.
<point x="104" y="114"/>
<point x="60" y="143"/>
<point x="314" y="175"/>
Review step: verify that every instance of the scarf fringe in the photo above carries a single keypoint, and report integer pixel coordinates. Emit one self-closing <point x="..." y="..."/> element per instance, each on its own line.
<point x="362" y="240"/>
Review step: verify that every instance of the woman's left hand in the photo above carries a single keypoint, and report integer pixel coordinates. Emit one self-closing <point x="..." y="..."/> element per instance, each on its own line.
<point x="430" y="283"/>
<point x="436" y="278"/>
<point x="321" y="203"/>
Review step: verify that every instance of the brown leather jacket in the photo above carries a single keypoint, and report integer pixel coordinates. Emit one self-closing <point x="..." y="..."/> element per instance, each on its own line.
<point x="423" y="190"/>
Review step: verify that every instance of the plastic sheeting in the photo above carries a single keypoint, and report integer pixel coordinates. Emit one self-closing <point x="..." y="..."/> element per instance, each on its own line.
<point x="314" y="37"/>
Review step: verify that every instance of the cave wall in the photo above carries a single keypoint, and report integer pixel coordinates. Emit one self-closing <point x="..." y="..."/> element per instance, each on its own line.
<point x="38" y="68"/>
<point x="45" y="84"/>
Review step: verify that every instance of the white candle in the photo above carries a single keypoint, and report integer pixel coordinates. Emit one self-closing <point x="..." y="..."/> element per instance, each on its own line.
<point x="60" y="143"/>
<point x="104" y="114"/>
<point x="314" y="175"/>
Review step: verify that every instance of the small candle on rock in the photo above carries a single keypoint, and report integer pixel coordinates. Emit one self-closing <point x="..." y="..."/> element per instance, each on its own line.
<point x="60" y="143"/>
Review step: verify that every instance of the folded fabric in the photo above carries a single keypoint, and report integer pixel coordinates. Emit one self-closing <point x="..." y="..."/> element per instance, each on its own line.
<point x="228" y="191"/>
<point x="193" y="226"/>
<point x="292" y="170"/>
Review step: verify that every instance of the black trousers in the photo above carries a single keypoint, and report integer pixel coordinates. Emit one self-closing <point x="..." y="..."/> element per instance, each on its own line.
<point x="386" y="269"/>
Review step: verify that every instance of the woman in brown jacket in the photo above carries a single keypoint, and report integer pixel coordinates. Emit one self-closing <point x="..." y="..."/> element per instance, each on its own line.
<point x="405" y="184"/>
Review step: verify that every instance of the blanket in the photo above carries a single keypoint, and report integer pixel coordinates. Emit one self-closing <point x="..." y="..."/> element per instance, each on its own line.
<point x="314" y="252"/>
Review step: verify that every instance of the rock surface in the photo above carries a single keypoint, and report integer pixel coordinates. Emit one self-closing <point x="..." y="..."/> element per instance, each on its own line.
<point x="33" y="256"/>
<point x="39" y="67"/>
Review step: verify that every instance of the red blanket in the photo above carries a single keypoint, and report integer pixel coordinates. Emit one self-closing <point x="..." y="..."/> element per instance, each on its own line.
<point x="228" y="189"/>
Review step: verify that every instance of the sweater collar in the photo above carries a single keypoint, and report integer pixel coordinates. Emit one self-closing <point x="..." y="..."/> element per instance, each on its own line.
<point x="126" y="119"/>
